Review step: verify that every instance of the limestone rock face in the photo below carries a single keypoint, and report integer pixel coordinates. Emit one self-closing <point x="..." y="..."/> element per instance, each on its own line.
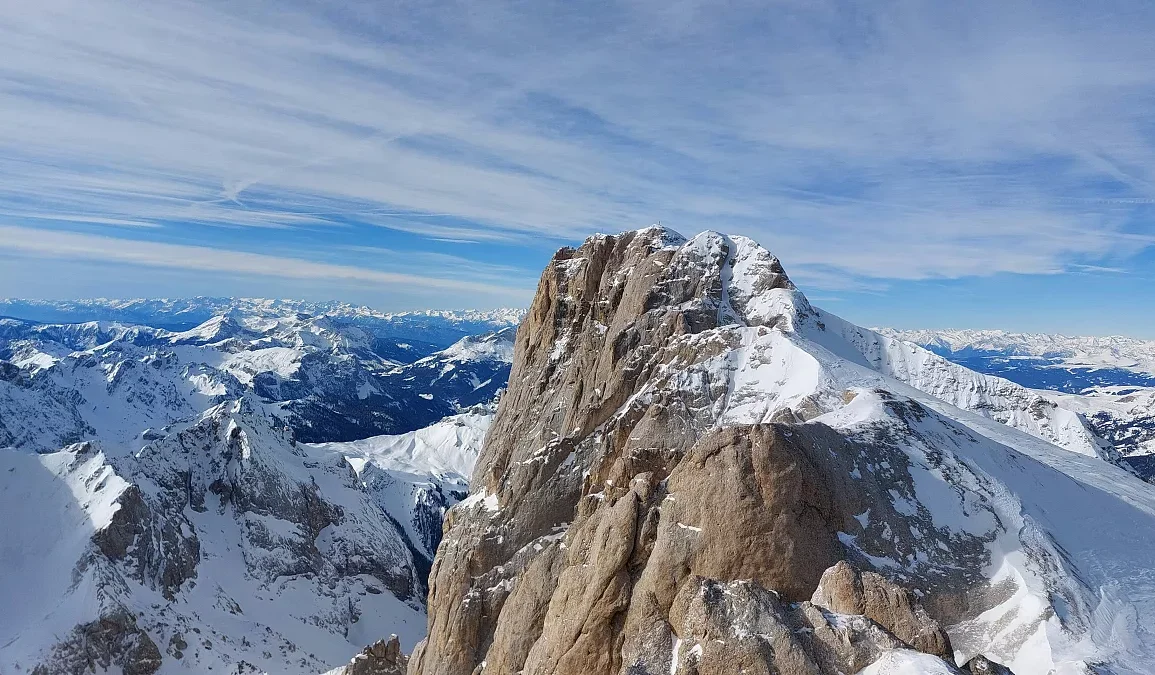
<point x="980" y="665"/>
<point x="742" y="627"/>
<point x="845" y="590"/>
<point x="694" y="471"/>
<point x="383" y="657"/>
<point x="615" y="527"/>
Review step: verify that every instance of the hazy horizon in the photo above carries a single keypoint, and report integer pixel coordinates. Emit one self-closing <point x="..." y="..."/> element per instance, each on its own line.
<point x="913" y="164"/>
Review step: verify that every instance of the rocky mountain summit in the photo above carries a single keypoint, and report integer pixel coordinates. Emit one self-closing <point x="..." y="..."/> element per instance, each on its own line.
<point x="693" y="470"/>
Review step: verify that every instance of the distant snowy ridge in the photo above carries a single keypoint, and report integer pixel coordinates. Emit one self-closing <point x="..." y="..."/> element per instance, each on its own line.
<point x="439" y="326"/>
<point x="1108" y="381"/>
<point x="1075" y="352"/>
<point x="330" y="381"/>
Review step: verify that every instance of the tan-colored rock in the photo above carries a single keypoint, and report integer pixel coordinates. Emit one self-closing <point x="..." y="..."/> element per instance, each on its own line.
<point x="846" y="590"/>
<point x="619" y="527"/>
<point x="112" y="641"/>
<point x="383" y="657"/>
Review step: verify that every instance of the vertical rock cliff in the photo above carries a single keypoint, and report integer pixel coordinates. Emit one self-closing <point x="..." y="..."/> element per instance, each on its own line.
<point x="692" y="472"/>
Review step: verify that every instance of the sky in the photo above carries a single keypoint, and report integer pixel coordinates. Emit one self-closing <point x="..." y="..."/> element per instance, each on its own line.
<point x="913" y="164"/>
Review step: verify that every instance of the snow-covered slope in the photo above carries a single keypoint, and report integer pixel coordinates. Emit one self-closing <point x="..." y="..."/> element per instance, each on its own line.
<point x="601" y="479"/>
<point x="417" y="476"/>
<point x="220" y="543"/>
<point x="1043" y="361"/>
<point x="1124" y="416"/>
<point x="990" y="396"/>
<point x="61" y="384"/>
<point x="469" y="372"/>
<point x="1099" y="379"/>
<point x="223" y="544"/>
<point x="164" y="515"/>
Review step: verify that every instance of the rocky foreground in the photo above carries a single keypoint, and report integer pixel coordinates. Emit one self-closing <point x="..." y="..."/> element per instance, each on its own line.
<point x="695" y="471"/>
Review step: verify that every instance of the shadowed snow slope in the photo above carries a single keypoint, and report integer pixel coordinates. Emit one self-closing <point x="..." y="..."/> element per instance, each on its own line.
<point x="162" y="516"/>
<point x="679" y="418"/>
<point x="219" y="543"/>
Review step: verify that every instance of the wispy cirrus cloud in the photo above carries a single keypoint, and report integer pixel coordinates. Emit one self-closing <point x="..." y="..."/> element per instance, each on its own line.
<point x="86" y="247"/>
<point x="863" y="142"/>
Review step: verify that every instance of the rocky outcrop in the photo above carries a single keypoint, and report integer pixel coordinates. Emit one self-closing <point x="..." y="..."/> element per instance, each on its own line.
<point x="622" y="522"/>
<point x="980" y="665"/>
<point x="846" y="590"/>
<point x="742" y="627"/>
<point x="160" y="551"/>
<point x="383" y="657"/>
<point x="114" y="640"/>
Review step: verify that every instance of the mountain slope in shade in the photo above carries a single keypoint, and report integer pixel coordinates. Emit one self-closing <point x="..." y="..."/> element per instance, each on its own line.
<point x="686" y="444"/>
<point x="223" y="545"/>
<point x="61" y="384"/>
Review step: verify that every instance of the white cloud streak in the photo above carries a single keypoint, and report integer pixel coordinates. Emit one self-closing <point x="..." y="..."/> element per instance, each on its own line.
<point x="890" y="140"/>
<point x="73" y="246"/>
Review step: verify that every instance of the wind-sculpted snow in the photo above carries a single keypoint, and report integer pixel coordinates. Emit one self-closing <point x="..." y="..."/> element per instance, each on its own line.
<point x="683" y="434"/>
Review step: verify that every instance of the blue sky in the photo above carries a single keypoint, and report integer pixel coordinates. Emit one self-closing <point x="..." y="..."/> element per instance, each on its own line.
<point x="917" y="164"/>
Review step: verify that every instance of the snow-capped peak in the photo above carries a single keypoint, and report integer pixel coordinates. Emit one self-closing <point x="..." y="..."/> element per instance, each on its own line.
<point x="495" y="346"/>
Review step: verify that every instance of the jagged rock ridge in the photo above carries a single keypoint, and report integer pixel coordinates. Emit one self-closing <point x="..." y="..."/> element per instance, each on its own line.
<point x="680" y="420"/>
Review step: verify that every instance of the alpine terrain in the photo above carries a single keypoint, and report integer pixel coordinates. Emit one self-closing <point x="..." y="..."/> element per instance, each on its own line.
<point x="1110" y="381"/>
<point x="694" y="470"/>
<point x="672" y="463"/>
<point x="261" y="493"/>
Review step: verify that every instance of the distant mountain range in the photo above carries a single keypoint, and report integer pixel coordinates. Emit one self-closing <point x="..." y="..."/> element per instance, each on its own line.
<point x="438" y="327"/>
<point x="260" y="492"/>
<point x="1040" y="361"/>
<point x="1110" y="381"/>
